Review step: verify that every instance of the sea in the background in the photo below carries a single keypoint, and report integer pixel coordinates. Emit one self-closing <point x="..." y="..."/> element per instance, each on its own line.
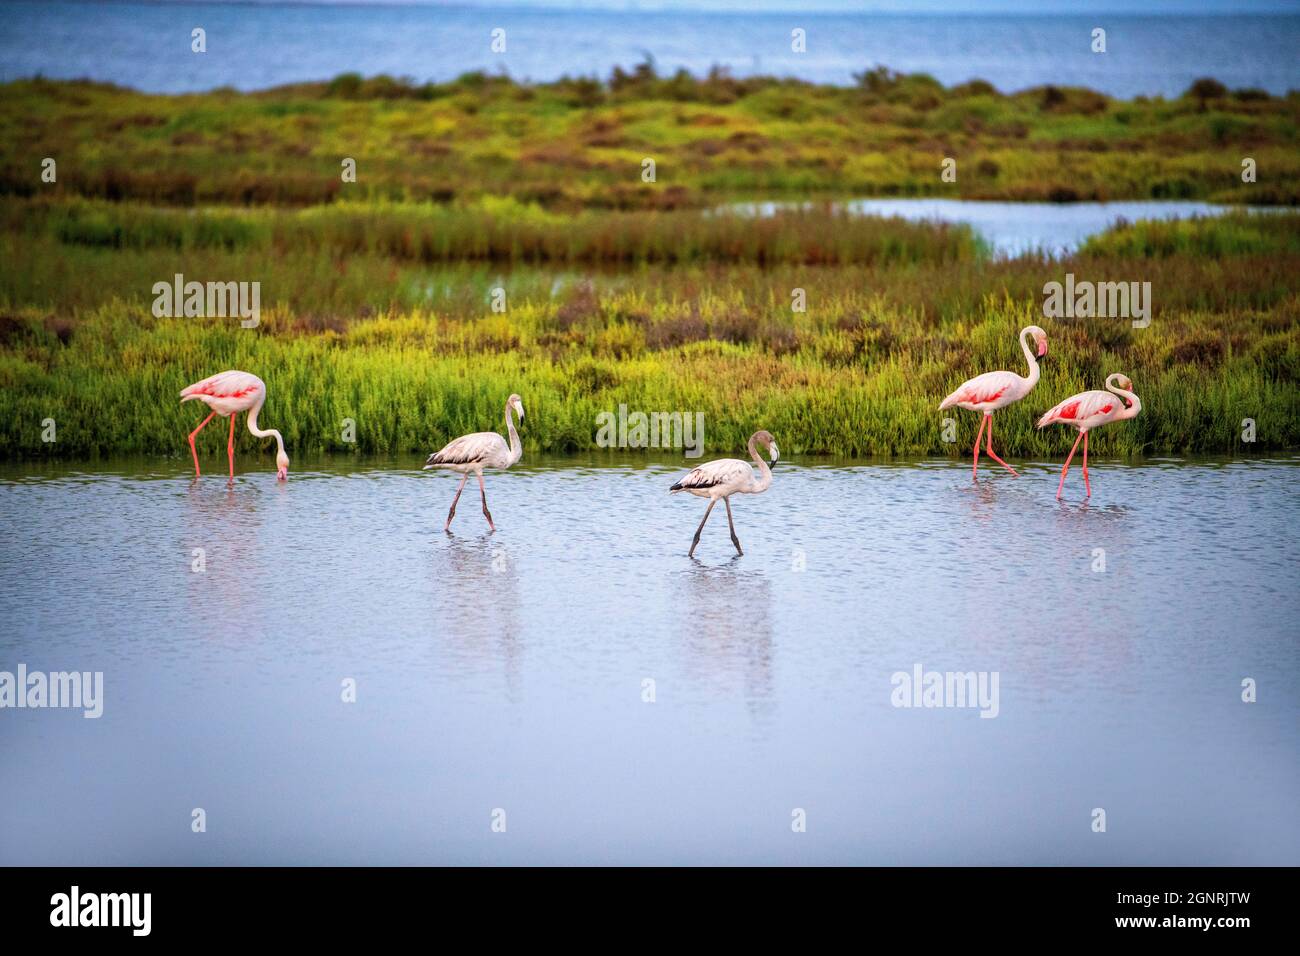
<point x="254" y="46"/>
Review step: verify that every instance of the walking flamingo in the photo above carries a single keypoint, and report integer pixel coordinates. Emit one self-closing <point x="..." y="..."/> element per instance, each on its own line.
<point x="993" y="390"/>
<point x="473" y="453"/>
<point x="1089" y="410"/>
<point x="726" y="477"/>
<point x="228" y="394"/>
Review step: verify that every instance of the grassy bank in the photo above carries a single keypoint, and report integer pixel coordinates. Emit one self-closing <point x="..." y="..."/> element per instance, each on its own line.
<point x="500" y="231"/>
<point x="327" y="266"/>
<point x="412" y="352"/>
<point x="581" y="143"/>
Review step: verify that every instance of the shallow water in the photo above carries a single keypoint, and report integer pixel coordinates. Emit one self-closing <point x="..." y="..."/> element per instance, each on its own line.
<point x="253" y="46"/>
<point x="1014" y="228"/>
<point x="505" y="671"/>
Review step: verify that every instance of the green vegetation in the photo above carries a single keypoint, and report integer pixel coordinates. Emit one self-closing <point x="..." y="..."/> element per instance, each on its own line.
<point x="580" y="143"/>
<point x="1235" y="236"/>
<point x="377" y="295"/>
<point x="501" y="231"/>
<point x="408" y="346"/>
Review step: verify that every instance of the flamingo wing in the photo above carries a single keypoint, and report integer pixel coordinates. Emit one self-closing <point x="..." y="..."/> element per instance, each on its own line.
<point x="1079" y="408"/>
<point x="480" y="448"/>
<point x="224" y="385"/>
<point x="713" y="474"/>
<point x="981" y="389"/>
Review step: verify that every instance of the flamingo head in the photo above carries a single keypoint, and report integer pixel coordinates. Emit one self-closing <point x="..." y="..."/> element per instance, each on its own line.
<point x="517" y="403"/>
<point x="281" y="466"/>
<point x="1040" y="340"/>
<point x="1122" y="381"/>
<point x="766" y="438"/>
<point x="1118" y="380"/>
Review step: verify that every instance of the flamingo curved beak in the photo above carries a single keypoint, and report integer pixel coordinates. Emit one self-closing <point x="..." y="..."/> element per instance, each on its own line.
<point x="282" y="474"/>
<point x="1042" y="349"/>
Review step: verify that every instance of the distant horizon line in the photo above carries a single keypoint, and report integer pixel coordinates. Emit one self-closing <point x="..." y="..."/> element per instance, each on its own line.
<point x="414" y="82"/>
<point x="1280" y="9"/>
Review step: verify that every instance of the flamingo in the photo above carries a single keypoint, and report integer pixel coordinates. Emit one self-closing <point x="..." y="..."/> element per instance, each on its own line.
<point x="993" y="390"/>
<point x="726" y="477"/>
<point x="1089" y="410"/>
<point x="473" y="453"/>
<point x="228" y="394"/>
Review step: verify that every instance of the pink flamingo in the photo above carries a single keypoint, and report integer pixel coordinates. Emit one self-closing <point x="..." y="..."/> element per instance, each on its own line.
<point x="227" y="394"/>
<point x="993" y="390"/>
<point x="1089" y="410"/>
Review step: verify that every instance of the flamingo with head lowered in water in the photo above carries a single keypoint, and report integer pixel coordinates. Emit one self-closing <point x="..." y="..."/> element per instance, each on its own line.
<point x="228" y="394"/>
<point x="1089" y="410"/>
<point x="993" y="390"/>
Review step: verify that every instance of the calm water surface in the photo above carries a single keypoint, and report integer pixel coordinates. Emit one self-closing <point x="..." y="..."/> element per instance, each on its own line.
<point x="252" y="46"/>
<point x="506" y="670"/>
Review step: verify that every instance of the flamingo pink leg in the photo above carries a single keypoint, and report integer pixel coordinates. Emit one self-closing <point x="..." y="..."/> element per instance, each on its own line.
<point x="975" y="466"/>
<point x="230" y="447"/>
<point x="193" y="450"/>
<point x="483" y="491"/>
<point x="732" y="525"/>
<point x="452" y="513"/>
<point x="696" y="541"/>
<point x="1067" y="464"/>
<point x="1086" y="487"/>
<point x="988" y="438"/>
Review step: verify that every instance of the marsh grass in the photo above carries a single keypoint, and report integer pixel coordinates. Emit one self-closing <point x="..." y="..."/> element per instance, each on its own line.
<point x="78" y="256"/>
<point x="376" y="294"/>
<point x="411" y="384"/>
<point x="1234" y="236"/>
<point x="860" y="373"/>
<point x="579" y="143"/>
<point x="499" y="231"/>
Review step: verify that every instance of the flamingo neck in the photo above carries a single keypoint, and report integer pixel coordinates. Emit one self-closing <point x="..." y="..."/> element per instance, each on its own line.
<point x="516" y="447"/>
<point x="1032" y="378"/>
<point x="268" y="433"/>
<point x="1134" y="404"/>
<point x="764" y="472"/>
